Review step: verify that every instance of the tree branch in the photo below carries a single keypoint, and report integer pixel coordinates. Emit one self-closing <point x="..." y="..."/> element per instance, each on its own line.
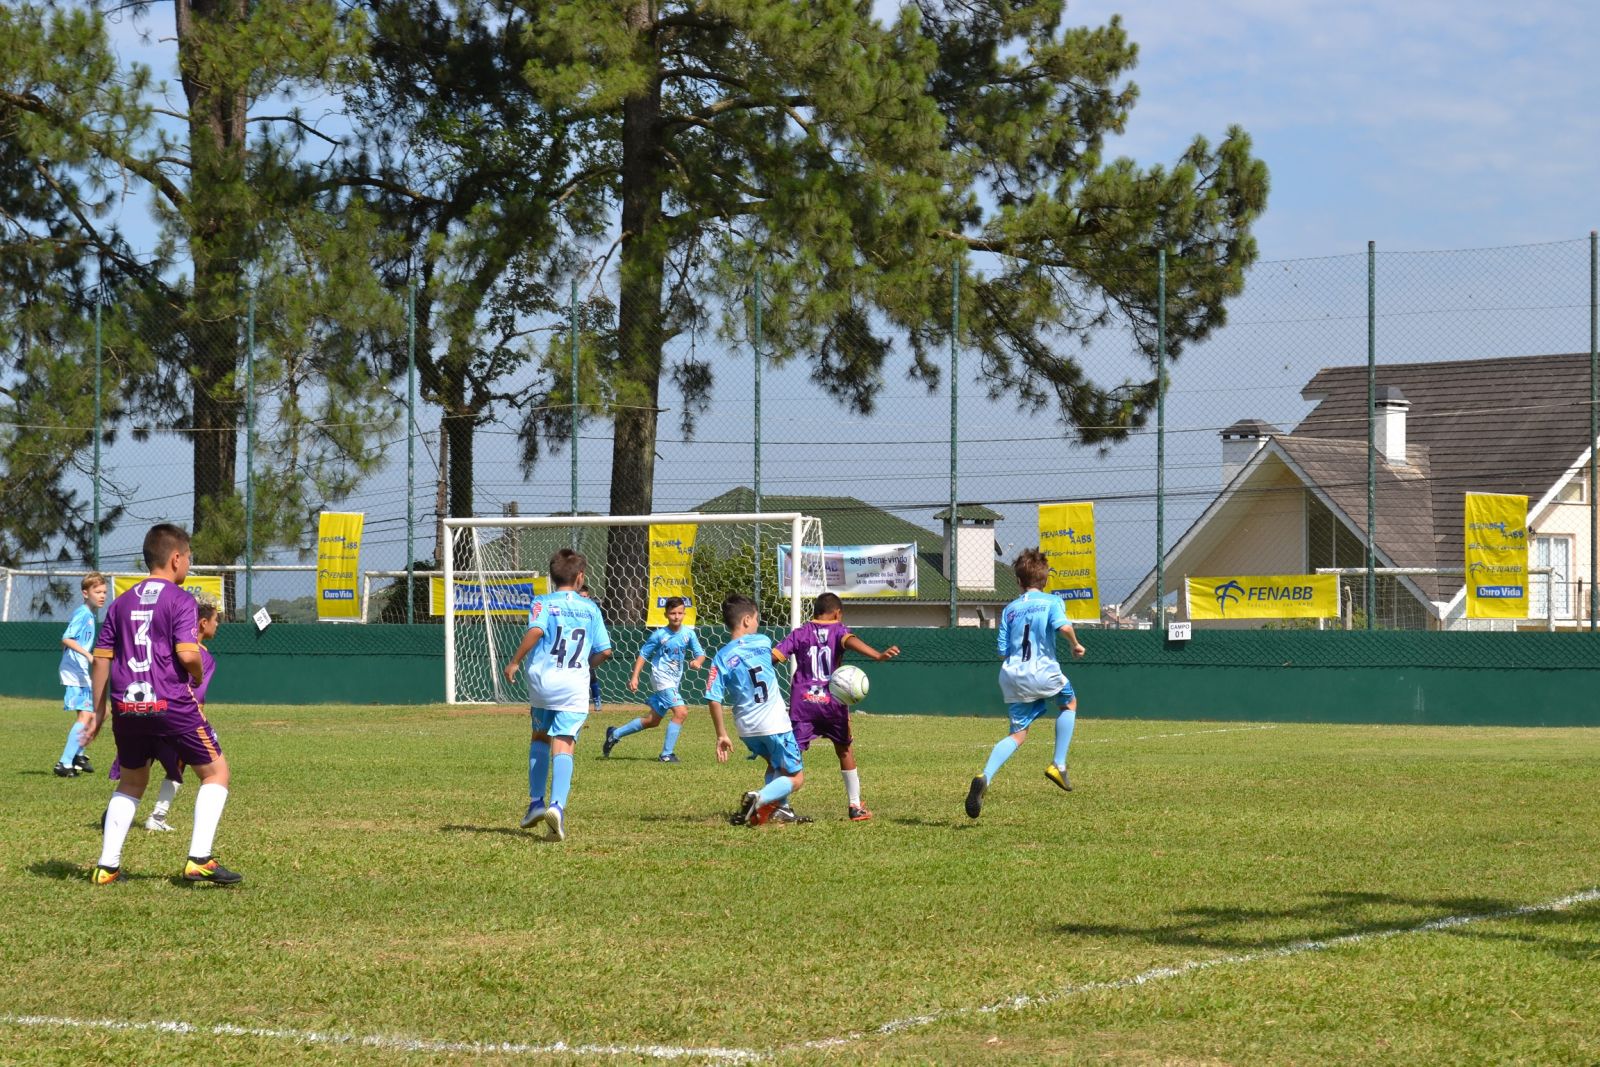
<point x="295" y="120"/>
<point x="144" y="168"/>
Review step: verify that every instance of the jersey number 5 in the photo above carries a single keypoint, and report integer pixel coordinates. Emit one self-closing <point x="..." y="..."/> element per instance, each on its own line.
<point x="758" y="685"/>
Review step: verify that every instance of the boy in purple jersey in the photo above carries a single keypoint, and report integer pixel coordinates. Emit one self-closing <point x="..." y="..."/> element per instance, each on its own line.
<point x="147" y="662"/>
<point x="817" y="648"/>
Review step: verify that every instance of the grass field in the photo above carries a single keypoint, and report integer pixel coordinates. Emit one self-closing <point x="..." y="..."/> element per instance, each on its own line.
<point x="1176" y="908"/>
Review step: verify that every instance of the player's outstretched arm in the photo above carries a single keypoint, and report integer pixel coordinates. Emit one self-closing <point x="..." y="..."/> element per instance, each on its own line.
<point x="855" y="644"/>
<point x="1071" y="635"/>
<point x="599" y="658"/>
<point x="529" y="639"/>
<point x="100" y="686"/>
<point x="778" y="655"/>
<point x="633" y="682"/>
<point x="724" y="745"/>
<point x="698" y="662"/>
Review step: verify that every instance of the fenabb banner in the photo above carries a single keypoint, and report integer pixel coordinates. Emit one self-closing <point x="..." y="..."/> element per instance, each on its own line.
<point x="1066" y="536"/>
<point x="671" y="559"/>
<point x="1263" y="596"/>
<point x="339" y="566"/>
<point x="1497" y="556"/>
<point x="851" y="570"/>
<point x="506" y="596"/>
<point x="210" y="584"/>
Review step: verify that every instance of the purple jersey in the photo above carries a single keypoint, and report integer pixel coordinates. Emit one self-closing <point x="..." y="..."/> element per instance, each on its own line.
<point x="208" y="667"/>
<point x="144" y="631"/>
<point x="816" y="649"/>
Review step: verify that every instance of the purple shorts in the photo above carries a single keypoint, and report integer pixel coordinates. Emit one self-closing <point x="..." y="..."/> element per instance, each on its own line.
<point x="812" y="719"/>
<point x="170" y="763"/>
<point x="179" y="737"/>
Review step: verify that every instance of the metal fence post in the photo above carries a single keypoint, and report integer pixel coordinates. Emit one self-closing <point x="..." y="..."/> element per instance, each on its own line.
<point x="1161" y="443"/>
<point x="1594" y="425"/>
<point x="955" y="393"/>
<point x="411" y="449"/>
<point x="572" y="355"/>
<point x="99" y="365"/>
<point x="756" y="355"/>
<point x="1372" y="414"/>
<point x="249" y="451"/>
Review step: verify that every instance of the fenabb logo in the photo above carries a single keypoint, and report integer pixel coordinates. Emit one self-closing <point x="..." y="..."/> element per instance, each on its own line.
<point x="1071" y="534"/>
<point x="1232" y="592"/>
<point x="1227" y="594"/>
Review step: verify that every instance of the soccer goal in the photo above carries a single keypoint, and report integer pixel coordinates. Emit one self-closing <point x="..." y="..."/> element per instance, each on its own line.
<point x="495" y="566"/>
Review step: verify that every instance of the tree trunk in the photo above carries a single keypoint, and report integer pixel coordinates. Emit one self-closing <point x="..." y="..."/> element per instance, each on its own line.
<point x="642" y="265"/>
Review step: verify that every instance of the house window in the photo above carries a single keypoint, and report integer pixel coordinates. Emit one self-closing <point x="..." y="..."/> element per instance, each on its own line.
<point x="1555" y="553"/>
<point x="1575" y="491"/>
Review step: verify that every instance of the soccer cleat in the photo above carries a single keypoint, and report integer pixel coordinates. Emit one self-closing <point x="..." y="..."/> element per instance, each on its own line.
<point x="763" y="814"/>
<point x="81" y="762"/>
<point x="747" y="807"/>
<point x="859" y="813"/>
<point x="535" y="813"/>
<point x="668" y="757"/>
<point x="105" y="875"/>
<point x="980" y="785"/>
<point x="158" y="823"/>
<point x="557" y="822"/>
<point x="209" y="871"/>
<point x="65" y="770"/>
<point x="1058" y="775"/>
<point x="611" y="741"/>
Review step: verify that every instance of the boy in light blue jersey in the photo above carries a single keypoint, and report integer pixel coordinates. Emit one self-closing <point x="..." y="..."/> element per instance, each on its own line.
<point x="77" y="644"/>
<point x="742" y="674"/>
<point x="665" y="652"/>
<point x="1030" y="676"/>
<point x="567" y="639"/>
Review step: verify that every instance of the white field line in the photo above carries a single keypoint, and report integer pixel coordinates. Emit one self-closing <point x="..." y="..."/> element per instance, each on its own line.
<point x="1178" y="970"/>
<point x="390" y="1042"/>
<point x="1151" y="737"/>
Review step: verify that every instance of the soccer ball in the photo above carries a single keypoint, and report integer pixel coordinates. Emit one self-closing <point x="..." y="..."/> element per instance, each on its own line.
<point x="848" y="684"/>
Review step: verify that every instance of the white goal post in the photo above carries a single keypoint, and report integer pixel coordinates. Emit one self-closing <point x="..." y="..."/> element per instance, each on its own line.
<point x="494" y="564"/>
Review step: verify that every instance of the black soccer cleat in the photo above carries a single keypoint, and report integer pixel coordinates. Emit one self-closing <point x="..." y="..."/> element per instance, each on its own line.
<point x="81" y="761"/>
<point x="611" y="741"/>
<point x="209" y="871"/>
<point x="980" y="785"/>
<point x="65" y="770"/>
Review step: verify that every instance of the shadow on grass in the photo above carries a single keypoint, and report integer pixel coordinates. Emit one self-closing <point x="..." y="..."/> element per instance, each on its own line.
<point x="505" y="831"/>
<point x="63" y="871"/>
<point x="955" y="822"/>
<point x="1327" y="915"/>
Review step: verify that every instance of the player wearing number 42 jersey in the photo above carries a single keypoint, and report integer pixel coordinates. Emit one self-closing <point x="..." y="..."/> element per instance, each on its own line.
<point x="566" y="639"/>
<point x="1030" y="676"/>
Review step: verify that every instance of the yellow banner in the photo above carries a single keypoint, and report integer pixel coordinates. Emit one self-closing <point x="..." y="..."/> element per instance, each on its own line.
<point x="1497" y="556"/>
<point x="195" y="583"/>
<point x="1271" y="596"/>
<point x="1066" y="537"/>
<point x="671" y="553"/>
<point x="339" y="566"/>
<point x="509" y="596"/>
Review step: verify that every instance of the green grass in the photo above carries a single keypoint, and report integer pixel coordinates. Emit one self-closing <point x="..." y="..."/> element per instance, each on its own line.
<point x="389" y="892"/>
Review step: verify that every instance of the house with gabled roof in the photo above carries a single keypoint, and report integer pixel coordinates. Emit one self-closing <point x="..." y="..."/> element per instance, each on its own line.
<point x="1296" y="501"/>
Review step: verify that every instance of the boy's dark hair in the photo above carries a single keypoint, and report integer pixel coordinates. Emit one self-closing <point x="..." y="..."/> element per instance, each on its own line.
<point x="565" y="566"/>
<point x="204" y="609"/>
<point x="736" y="609"/>
<point x="827" y="604"/>
<point x="92" y="579"/>
<point x="161" y="542"/>
<point x="1032" y="567"/>
<point x="674" y="602"/>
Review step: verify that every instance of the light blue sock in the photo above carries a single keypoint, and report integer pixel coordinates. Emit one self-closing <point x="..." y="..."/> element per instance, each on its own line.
<point x="560" y="779"/>
<point x="1064" y="724"/>
<point x="778" y="788"/>
<point x="673" y="730"/>
<point x="997" y="757"/>
<point x="72" y="749"/>
<point x="538" y="768"/>
<point x="629" y="728"/>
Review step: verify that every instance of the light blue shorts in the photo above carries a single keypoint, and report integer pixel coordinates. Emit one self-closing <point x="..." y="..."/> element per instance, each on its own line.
<point x="79" y="698"/>
<point x="780" y="750"/>
<point x="1022" y="715"/>
<point x="662" y="701"/>
<point x="558" y="723"/>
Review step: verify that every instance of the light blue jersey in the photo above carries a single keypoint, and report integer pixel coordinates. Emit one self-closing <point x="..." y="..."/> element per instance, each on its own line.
<point x="667" y="652"/>
<point x="80" y="628"/>
<point x="1027" y="644"/>
<point x="743" y="677"/>
<point x="558" y="666"/>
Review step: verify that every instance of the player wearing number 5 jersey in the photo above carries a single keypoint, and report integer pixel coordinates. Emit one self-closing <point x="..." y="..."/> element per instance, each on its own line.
<point x="566" y="639"/>
<point x="1030" y="676"/>
<point x="742" y="675"/>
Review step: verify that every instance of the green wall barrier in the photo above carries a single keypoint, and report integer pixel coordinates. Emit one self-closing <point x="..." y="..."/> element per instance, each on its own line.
<point x="1527" y="679"/>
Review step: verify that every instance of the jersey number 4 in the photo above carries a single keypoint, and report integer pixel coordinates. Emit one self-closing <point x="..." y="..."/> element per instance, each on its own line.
<point x="559" y="649"/>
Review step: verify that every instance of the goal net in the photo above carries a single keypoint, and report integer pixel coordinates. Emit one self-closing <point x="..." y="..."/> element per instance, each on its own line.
<point x="495" y="566"/>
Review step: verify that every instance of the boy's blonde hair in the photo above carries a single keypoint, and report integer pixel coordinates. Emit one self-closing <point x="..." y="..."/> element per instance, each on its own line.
<point x="1032" y="567"/>
<point x="92" y="579"/>
<point x="206" y="605"/>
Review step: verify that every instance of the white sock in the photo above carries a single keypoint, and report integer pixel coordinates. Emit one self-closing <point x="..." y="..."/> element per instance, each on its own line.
<point x="169" y="790"/>
<point x="208" y="802"/>
<point x="852" y="786"/>
<point x="119" y="816"/>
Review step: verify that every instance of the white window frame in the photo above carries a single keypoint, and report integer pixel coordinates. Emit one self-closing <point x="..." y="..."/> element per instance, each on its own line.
<point x="1561" y="580"/>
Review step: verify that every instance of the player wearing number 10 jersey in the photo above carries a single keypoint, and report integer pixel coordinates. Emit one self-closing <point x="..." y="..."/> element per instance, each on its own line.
<point x="566" y="639"/>
<point x="1030" y="675"/>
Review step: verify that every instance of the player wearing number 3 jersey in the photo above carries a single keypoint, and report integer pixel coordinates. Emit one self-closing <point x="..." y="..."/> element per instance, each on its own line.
<point x="566" y="639"/>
